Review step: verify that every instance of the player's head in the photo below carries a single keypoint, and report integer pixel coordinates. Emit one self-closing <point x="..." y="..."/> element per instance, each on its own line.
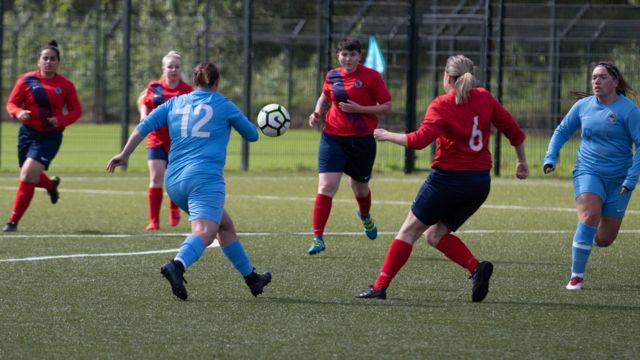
<point x="206" y="75"/>
<point x="49" y="58"/>
<point x="606" y="77"/>
<point x="458" y="76"/>
<point x="350" y="44"/>
<point x="171" y="65"/>
<point x="349" y="53"/>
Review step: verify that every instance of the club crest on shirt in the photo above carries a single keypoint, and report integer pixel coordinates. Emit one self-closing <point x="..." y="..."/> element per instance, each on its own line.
<point x="358" y="83"/>
<point x="58" y="90"/>
<point x="612" y="118"/>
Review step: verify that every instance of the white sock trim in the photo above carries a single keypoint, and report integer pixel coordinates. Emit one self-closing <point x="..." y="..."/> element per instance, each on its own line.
<point x="581" y="246"/>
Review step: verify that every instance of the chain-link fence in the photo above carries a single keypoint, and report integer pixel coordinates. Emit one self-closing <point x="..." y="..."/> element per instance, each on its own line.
<point x="530" y="54"/>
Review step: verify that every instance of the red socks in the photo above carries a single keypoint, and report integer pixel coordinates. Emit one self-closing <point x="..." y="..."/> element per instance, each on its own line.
<point x="453" y="248"/>
<point x="397" y="255"/>
<point x="364" y="204"/>
<point x="45" y="182"/>
<point x="174" y="213"/>
<point x="155" y="201"/>
<point x="24" y="194"/>
<point x="321" y="211"/>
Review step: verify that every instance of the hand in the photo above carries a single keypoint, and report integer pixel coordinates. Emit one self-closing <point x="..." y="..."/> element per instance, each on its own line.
<point x="548" y="168"/>
<point x="380" y="134"/>
<point x="314" y="118"/>
<point x="24" y="115"/>
<point x="116" y="161"/>
<point x="522" y="170"/>
<point x="53" y="121"/>
<point x="624" y="190"/>
<point x="350" y="107"/>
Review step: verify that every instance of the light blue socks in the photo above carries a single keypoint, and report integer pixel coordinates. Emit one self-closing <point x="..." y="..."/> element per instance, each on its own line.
<point x="238" y="257"/>
<point x="581" y="249"/>
<point x="190" y="251"/>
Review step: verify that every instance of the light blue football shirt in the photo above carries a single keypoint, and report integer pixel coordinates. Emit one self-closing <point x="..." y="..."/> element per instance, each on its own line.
<point x="606" y="143"/>
<point x="199" y="126"/>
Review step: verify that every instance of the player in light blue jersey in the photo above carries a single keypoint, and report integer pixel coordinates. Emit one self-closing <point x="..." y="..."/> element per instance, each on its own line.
<point x="606" y="169"/>
<point x="199" y="125"/>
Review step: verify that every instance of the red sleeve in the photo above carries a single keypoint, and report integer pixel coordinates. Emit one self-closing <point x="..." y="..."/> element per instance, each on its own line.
<point x="148" y="98"/>
<point x="380" y="90"/>
<point x="16" y="98"/>
<point x="432" y="126"/>
<point x="74" y="109"/>
<point x="506" y="124"/>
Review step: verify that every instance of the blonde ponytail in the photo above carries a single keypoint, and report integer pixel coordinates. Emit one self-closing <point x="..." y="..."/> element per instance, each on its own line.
<point x="460" y="68"/>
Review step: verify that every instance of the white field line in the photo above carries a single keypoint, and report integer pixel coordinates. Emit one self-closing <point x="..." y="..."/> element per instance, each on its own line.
<point x="258" y="197"/>
<point x="73" y="256"/>
<point x="215" y="243"/>
<point x="311" y="199"/>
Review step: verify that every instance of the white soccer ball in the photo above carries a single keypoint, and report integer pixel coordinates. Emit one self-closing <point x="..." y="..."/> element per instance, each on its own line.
<point x="274" y="120"/>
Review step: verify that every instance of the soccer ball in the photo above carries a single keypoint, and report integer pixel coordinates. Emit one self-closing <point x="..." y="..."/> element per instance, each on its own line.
<point x="274" y="120"/>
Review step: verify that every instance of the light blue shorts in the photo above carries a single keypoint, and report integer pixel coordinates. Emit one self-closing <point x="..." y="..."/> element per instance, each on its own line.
<point x="201" y="199"/>
<point x="614" y="204"/>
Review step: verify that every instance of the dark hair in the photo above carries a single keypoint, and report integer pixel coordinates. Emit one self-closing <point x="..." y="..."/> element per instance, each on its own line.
<point x="623" y="87"/>
<point x="350" y="44"/>
<point x="205" y="75"/>
<point x="52" y="45"/>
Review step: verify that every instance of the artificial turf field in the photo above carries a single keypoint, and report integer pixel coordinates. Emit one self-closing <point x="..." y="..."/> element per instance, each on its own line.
<point x="80" y="279"/>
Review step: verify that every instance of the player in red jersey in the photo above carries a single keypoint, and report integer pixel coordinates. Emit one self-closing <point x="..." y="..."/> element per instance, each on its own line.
<point x="460" y="122"/>
<point x="158" y="141"/>
<point x="38" y="100"/>
<point x="354" y="95"/>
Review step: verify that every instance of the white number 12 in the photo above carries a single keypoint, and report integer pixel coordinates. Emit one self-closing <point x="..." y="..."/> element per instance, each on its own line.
<point x="184" y="121"/>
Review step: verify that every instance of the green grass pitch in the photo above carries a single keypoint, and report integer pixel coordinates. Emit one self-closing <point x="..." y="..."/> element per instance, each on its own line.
<point x="81" y="278"/>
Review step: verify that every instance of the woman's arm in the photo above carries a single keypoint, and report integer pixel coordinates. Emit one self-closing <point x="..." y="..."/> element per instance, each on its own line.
<point x="321" y="104"/>
<point x="522" y="169"/>
<point x="352" y="107"/>
<point x="396" y="138"/>
<point x="123" y="156"/>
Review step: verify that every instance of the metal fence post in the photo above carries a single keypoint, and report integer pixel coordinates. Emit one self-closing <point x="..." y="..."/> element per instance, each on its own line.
<point x="246" y="91"/>
<point x="126" y="34"/>
<point x="412" y="74"/>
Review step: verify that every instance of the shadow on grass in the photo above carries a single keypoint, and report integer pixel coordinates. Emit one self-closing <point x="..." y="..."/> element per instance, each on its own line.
<point x="395" y="302"/>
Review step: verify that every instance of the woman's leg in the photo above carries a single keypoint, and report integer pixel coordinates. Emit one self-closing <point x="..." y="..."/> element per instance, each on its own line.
<point x="328" y="184"/>
<point x="155" y="193"/>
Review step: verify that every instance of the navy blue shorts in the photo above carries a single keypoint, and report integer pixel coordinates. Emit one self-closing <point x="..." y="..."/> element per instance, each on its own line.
<point x="157" y="153"/>
<point x="451" y="197"/>
<point x="41" y="146"/>
<point x="351" y="155"/>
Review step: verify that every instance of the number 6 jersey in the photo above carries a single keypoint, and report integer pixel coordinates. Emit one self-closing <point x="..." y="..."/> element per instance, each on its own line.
<point x="462" y="131"/>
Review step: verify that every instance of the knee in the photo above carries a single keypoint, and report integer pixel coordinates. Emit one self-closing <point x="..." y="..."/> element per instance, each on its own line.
<point x="359" y="189"/>
<point x="433" y="238"/>
<point x="328" y="189"/>
<point x="360" y="192"/>
<point x="206" y="236"/>
<point x="29" y="178"/>
<point x="604" y="241"/>
<point x="591" y="218"/>
<point x="155" y="180"/>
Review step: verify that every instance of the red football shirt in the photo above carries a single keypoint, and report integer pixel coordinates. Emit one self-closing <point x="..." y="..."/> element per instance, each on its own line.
<point x="157" y="93"/>
<point x="364" y="86"/>
<point x="58" y="93"/>
<point x="462" y="131"/>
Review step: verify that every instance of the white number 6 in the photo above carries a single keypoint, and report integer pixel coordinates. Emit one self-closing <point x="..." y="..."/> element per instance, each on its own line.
<point x="475" y="141"/>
